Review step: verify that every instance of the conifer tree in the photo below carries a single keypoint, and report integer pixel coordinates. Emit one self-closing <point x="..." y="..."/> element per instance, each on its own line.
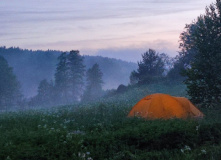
<point x="94" y="83"/>
<point x="69" y="77"/>
<point x="76" y="71"/>
<point x="45" y="92"/>
<point x="61" y="79"/>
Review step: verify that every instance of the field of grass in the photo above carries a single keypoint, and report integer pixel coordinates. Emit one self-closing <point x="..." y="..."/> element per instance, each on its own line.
<point x="102" y="131"/>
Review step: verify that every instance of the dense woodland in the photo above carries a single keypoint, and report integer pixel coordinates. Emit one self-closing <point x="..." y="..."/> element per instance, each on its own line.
<point x="32" y="67"/>
<point x="49" y="78"/>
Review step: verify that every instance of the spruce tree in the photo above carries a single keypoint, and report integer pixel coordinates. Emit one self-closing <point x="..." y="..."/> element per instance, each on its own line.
<point x="69" y="77"/>
<point x="45" y="93"/>
<point x="61" y="79"/>
<point x="76" y="71"/>
<point x="94" y="83"/>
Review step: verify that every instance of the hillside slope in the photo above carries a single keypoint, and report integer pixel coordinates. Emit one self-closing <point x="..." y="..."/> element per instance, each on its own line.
<point x="31" y="67"/>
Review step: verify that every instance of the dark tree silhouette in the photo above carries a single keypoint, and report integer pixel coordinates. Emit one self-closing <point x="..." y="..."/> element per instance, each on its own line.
<point x="150" y="69"/>
<point x="31" y="66"/>
<point x="201" y="41"/>
<point x="76" y="71"/>
<point x="69" y="77"/>
<point x="61" y="79"/>
<point x="94" y="83"/>
<point x="45" y="96"/>
<point x="10" y="94"/>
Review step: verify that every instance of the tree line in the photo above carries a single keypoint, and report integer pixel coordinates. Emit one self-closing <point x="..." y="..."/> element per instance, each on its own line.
<point x="198" y="65"/>
<point x="68" y="86"/>
<point x="30" y="67"/>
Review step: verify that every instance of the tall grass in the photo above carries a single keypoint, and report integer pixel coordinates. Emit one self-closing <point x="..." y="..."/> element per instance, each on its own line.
<point x="101" y="130"/>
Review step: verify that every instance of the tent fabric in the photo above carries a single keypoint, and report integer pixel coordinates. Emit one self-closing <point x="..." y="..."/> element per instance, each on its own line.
<point x="165" y="107"/>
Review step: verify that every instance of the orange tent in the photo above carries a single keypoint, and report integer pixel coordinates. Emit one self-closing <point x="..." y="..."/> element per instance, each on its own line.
<point x="164" y="106"/>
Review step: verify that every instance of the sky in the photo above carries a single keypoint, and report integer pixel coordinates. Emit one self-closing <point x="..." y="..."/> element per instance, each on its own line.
<point x="122" y="29"/>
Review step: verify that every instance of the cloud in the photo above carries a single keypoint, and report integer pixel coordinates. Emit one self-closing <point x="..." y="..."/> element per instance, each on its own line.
<point x="97" y="25"/>
<point x="81" y="11"/>
<point x="133" y="54"/>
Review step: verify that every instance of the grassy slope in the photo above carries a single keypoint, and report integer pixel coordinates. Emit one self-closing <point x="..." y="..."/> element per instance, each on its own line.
<point x="102" y="131"/>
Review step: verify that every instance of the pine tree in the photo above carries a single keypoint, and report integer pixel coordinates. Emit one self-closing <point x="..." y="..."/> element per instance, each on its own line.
<point x="45" y="93"/>
<point x="69" y="77"/>
<point x="10" y="94"/>
<point x="61" y="79"/>
<point x="94" y="83"/>
<point x="76" y="71"/>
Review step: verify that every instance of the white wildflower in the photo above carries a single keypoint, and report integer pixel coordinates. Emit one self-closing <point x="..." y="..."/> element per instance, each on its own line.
<point x="187" y="148"/>
<point x="203" y="151"/>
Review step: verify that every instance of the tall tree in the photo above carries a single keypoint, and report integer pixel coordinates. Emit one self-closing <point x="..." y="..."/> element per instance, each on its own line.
<point x="10" y="94"/>
<point x="175" y="74"/>
<point x="133" y="77"/>
<point x="201" y="41"/>
<point x="150" y="69"/>
<point x="76" y="71"/>
<point x="69" y="77"/>
<point x="61" y="79"/>
<point x="94" y="83"/>
<point x="45" y="96"/>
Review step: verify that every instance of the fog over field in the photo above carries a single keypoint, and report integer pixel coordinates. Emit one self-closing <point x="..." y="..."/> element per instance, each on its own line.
<point x="110" y="79"/>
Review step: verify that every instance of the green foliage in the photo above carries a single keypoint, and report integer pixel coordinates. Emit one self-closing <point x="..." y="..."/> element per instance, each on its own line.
<point x="175" y="74"/>
<point x="45" y="96"/>
<point x="75" y="71"/>
<point x="150" y="69"/>
<point x="101" y="130"/>
<point x="31" y="67"/>
<point x="9" y="86"/>
<point x="61" y="78"/>
<point x="121" y="88"/>
<point x="133" y="78"/>
<point x="69" y="77"/>
<point x="201" y="41"/>
<point x="94" y="84"/>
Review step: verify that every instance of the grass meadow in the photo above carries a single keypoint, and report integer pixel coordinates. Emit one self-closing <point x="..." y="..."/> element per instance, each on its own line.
<point x="102" y="131"/>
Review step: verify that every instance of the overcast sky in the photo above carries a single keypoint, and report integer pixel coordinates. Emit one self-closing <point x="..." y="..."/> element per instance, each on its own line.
<point x="115" y="28"/>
